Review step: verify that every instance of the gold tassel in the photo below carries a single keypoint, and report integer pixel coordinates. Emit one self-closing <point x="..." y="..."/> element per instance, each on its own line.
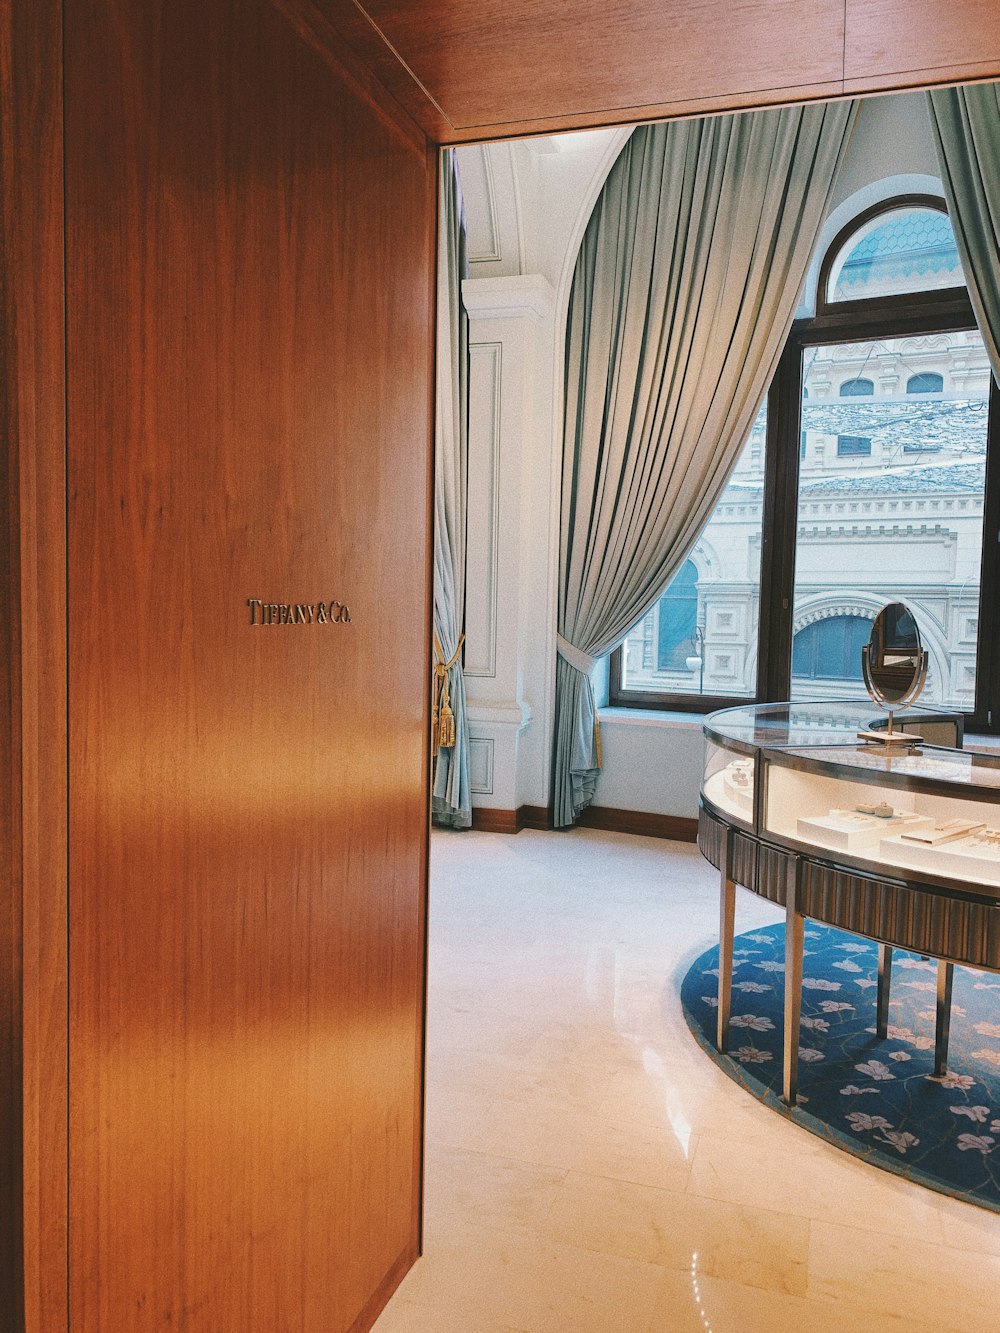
<point x="442" y="718"/>
<point x="446" y="727"/>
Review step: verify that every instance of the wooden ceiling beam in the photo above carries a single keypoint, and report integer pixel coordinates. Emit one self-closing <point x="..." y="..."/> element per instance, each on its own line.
<point x="466" y="72"/>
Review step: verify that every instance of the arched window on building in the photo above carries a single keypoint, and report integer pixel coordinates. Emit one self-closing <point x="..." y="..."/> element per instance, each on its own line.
<point x="676" y="637"/>
<point x="928" y="381"/>
<point x="830" y="649"/>
<point x="857" y="388"/>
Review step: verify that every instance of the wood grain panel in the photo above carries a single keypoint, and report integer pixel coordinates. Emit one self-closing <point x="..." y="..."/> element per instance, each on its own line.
<point x="610" y="117"/>
<point x="249" y="260"/>
<point x="353" y="25"/>
<point x="535" y="59"/>
<point x="466" y="72"/>
<point x="32" y="675"/>
<point x="934" y="41"/>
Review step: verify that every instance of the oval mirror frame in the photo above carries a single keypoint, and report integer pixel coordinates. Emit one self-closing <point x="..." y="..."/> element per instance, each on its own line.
<point x="894" y="661"/>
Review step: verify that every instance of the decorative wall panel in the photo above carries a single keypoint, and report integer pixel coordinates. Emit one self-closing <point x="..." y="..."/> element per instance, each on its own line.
<point x="481" y="765"/>
<point x="485" y="371"/>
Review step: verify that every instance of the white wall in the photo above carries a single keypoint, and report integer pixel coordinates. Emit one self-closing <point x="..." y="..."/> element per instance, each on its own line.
<point x="527" y="205"/>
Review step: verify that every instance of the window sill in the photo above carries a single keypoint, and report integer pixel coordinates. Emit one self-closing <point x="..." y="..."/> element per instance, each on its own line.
<point x="990" y="744"/>
<point x="650" y="717"/>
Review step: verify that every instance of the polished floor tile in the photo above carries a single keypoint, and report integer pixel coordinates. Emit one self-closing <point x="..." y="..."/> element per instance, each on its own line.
<point x="588" y="1168"/>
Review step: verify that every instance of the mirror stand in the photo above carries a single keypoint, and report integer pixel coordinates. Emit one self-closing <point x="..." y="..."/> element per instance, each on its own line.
<point x="894" y="664"/>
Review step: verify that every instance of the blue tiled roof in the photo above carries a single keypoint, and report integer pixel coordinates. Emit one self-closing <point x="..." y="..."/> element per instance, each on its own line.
<point x="921" y="241"/>
<point x="959" y="426"/>
<point x="951" y="478"/>
<point x="921" y="479"/>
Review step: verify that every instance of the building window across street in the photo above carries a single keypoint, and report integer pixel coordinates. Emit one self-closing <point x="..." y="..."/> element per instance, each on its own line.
<point x="870" y="487"/>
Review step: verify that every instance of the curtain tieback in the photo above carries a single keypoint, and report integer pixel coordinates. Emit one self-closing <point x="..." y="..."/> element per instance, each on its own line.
<point x="442" y="718"/>
<point x="576" y="657"/>
<point x="582" y="661"/>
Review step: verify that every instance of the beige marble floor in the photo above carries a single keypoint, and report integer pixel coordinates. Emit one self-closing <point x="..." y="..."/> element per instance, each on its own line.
<point x="590" y="1171"/>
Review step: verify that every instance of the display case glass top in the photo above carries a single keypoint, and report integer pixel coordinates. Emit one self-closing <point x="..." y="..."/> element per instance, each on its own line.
<point x="751" y="726"/>
<point x="970" y="773"/>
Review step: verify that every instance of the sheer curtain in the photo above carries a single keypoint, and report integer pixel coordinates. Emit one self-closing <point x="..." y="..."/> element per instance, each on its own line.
<point x="685" y="288"/>
<point x="452" y="801"/>
<point x="967" y="132"/>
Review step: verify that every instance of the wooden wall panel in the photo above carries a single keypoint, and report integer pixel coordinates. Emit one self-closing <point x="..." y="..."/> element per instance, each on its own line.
<point x="249" y="260"/>
<point x="890" y="43"/>
<point x="535" y="61"/>
<point x="32" y="675"/>
<point x="468" y="72"/>
<point x="563" y="60"/>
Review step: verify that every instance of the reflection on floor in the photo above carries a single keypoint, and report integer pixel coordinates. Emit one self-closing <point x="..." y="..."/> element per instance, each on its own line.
<point x="589" y="1171"/>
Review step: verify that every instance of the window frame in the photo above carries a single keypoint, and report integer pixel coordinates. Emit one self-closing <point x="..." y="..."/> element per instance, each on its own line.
<point x="870" y="305"/>
<point x="947" y="310"/>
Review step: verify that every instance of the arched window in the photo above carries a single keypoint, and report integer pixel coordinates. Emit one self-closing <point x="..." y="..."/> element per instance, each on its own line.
<point x="857" y="388"/>
<point x="871" y="488"/>
<point x="903" y="248"/>
<point x="892" y="306"/>
<point x="927" y="381"/>
<point x="830" y="649"/>
<point x="676" y="635"/>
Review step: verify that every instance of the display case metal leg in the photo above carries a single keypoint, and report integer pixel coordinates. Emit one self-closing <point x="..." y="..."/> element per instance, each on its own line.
<point x="942" y="1029"/>
<point x="882" y="994"/>
<point x="794" y="941"/>
<point x="727" y="924"/>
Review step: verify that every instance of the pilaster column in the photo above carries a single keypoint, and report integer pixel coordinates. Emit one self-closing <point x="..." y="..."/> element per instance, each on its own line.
<point x="510" y="577"/>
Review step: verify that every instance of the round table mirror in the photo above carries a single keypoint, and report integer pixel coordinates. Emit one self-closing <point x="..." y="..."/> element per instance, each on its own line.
<point x="894" y="663"/>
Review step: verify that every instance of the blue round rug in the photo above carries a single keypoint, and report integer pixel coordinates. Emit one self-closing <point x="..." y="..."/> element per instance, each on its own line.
<point x="877" y="1099"/>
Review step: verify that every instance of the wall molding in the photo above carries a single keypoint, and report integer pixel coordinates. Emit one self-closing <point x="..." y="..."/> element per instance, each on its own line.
<point x="485" y="360"/>
<point x="486" y="713"/>
<point x="493" y="255"/>
<point x="527" y="296"/>
<point x="481" y="765"/>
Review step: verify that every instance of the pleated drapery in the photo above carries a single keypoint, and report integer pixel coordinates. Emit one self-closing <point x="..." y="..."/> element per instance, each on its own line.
<point x="684" y="291"/>
<point x="967" y="134"/>
<point x="452" y="800"/>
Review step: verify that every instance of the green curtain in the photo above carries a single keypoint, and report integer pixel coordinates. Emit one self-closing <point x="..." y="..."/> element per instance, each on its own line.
<point x="452" y="800"/>
<point x="685" y="288"/>
<point x="967" y="132"/>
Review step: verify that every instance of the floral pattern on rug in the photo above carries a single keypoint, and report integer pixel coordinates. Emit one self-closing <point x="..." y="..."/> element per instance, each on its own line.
<point x="877" y="1099"/>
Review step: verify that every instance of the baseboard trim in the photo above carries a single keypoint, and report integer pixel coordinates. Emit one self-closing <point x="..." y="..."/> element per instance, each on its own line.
<point x="486" y="820"/>
<point x="608" y="818"/>
<point x="534" y="816"/>
<point x="612" y="820"/>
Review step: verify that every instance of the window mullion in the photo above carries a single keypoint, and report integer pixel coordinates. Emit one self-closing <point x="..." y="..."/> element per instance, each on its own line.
<point x="987" y="712"/>
<point x="777" y="571"/>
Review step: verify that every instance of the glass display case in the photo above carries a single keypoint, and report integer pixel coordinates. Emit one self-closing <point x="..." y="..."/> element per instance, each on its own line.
<point x="897" y="839"/>
<point x="929" y="815"/>
<point x="736" y="738"/>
